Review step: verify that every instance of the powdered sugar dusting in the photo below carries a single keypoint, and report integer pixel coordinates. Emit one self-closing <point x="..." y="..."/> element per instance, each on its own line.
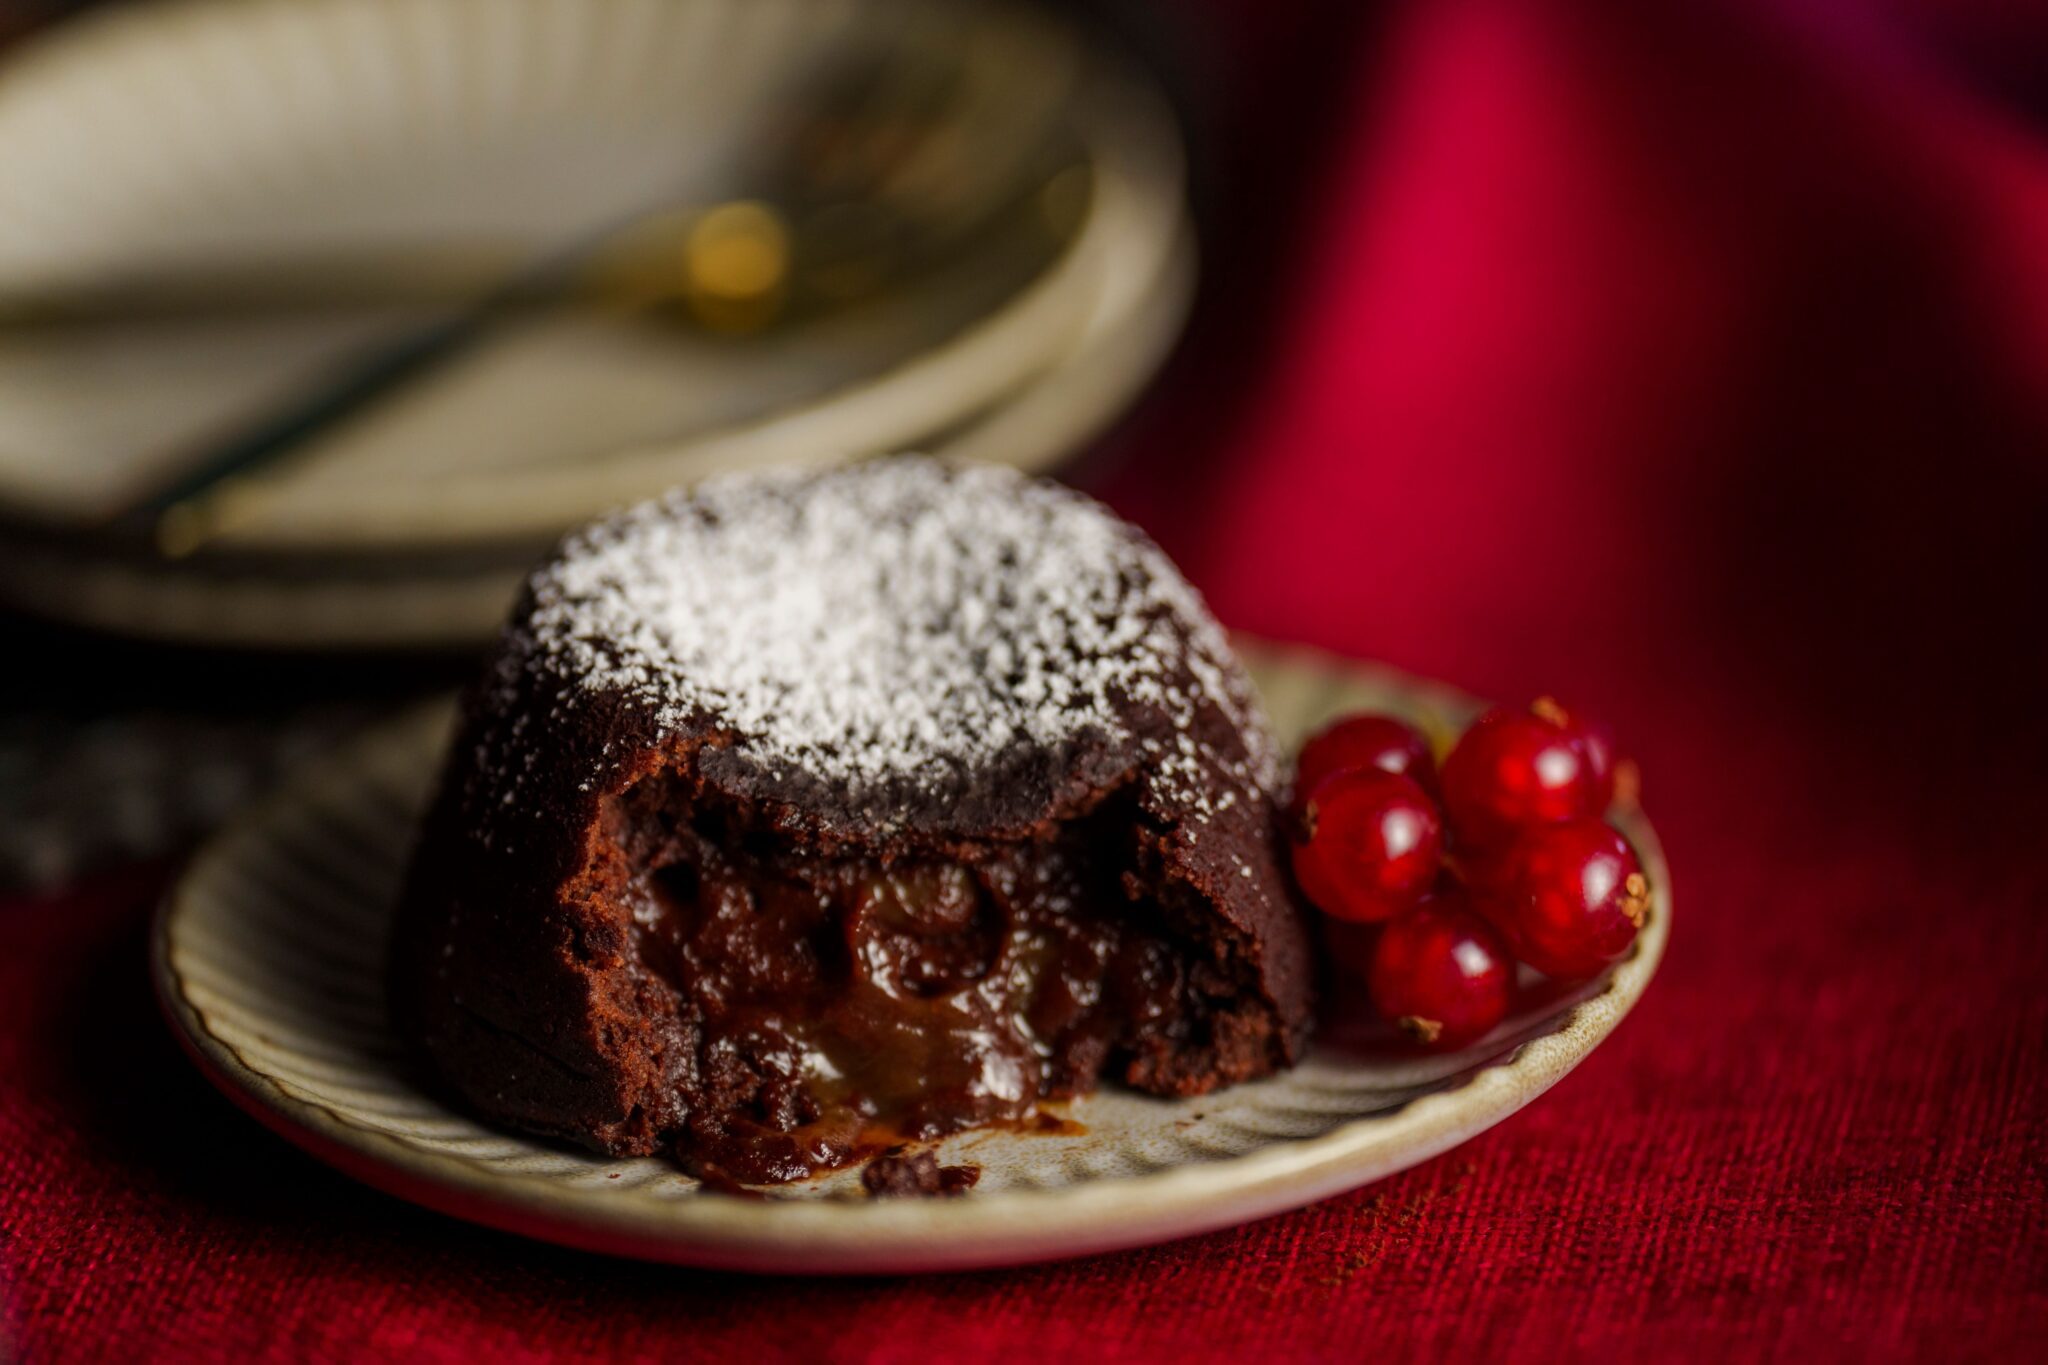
<point x="887" y="626"/>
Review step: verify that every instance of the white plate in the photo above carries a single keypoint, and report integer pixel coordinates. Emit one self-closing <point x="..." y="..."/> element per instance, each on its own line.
<point x="183" y="134"/>
<point x="269" y="956"/>
<point x="340" y="606"/>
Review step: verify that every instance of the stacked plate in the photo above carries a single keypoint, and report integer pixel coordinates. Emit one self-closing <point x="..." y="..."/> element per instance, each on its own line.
<point x="319" y="319"/>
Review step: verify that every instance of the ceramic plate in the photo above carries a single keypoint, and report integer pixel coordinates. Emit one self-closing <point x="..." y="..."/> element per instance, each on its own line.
<point x="300" y="136"/>
<point x="405" y="605"/>
<point x="268" y="960"/>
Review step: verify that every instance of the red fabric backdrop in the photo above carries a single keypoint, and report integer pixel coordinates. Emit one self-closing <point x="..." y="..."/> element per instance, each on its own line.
<point x="1688" y="361"/>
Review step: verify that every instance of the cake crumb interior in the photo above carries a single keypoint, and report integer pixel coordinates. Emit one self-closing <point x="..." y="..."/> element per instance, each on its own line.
<point x="837" y="1006"/>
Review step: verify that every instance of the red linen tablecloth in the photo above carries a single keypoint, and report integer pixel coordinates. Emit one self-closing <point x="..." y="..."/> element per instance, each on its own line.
<point x="1689" y="361"/>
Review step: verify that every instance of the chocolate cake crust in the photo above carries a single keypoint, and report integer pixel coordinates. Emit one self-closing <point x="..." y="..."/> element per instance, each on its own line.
<point x="891" y="668"/>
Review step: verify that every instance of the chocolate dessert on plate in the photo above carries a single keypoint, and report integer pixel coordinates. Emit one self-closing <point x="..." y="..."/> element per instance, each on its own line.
<point x="804" y="817"/>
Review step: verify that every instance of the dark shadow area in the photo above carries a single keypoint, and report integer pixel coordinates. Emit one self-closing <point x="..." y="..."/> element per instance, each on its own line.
<point x="83" y="672"/>
<point x="1265" y="96"/>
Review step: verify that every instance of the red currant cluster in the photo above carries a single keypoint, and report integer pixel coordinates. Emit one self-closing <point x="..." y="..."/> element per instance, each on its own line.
<point x="1503" y="854"/>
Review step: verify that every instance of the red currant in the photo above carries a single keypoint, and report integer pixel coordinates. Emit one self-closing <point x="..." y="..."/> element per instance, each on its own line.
<point x="1568" y="897"/>
<point x="1596" y="739"/>
<point x="1363" y="741"/>
<point x="1513" y="769"/>
<point x="1367" y="844"/>
<point x="1441" y="974"/>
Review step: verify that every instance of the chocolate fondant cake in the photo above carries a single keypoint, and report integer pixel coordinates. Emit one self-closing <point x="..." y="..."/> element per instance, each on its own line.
<point x="810" y="814"/>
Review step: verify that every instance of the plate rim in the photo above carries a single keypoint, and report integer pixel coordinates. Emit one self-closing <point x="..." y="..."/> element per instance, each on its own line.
<point x="840" y="1237"/>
